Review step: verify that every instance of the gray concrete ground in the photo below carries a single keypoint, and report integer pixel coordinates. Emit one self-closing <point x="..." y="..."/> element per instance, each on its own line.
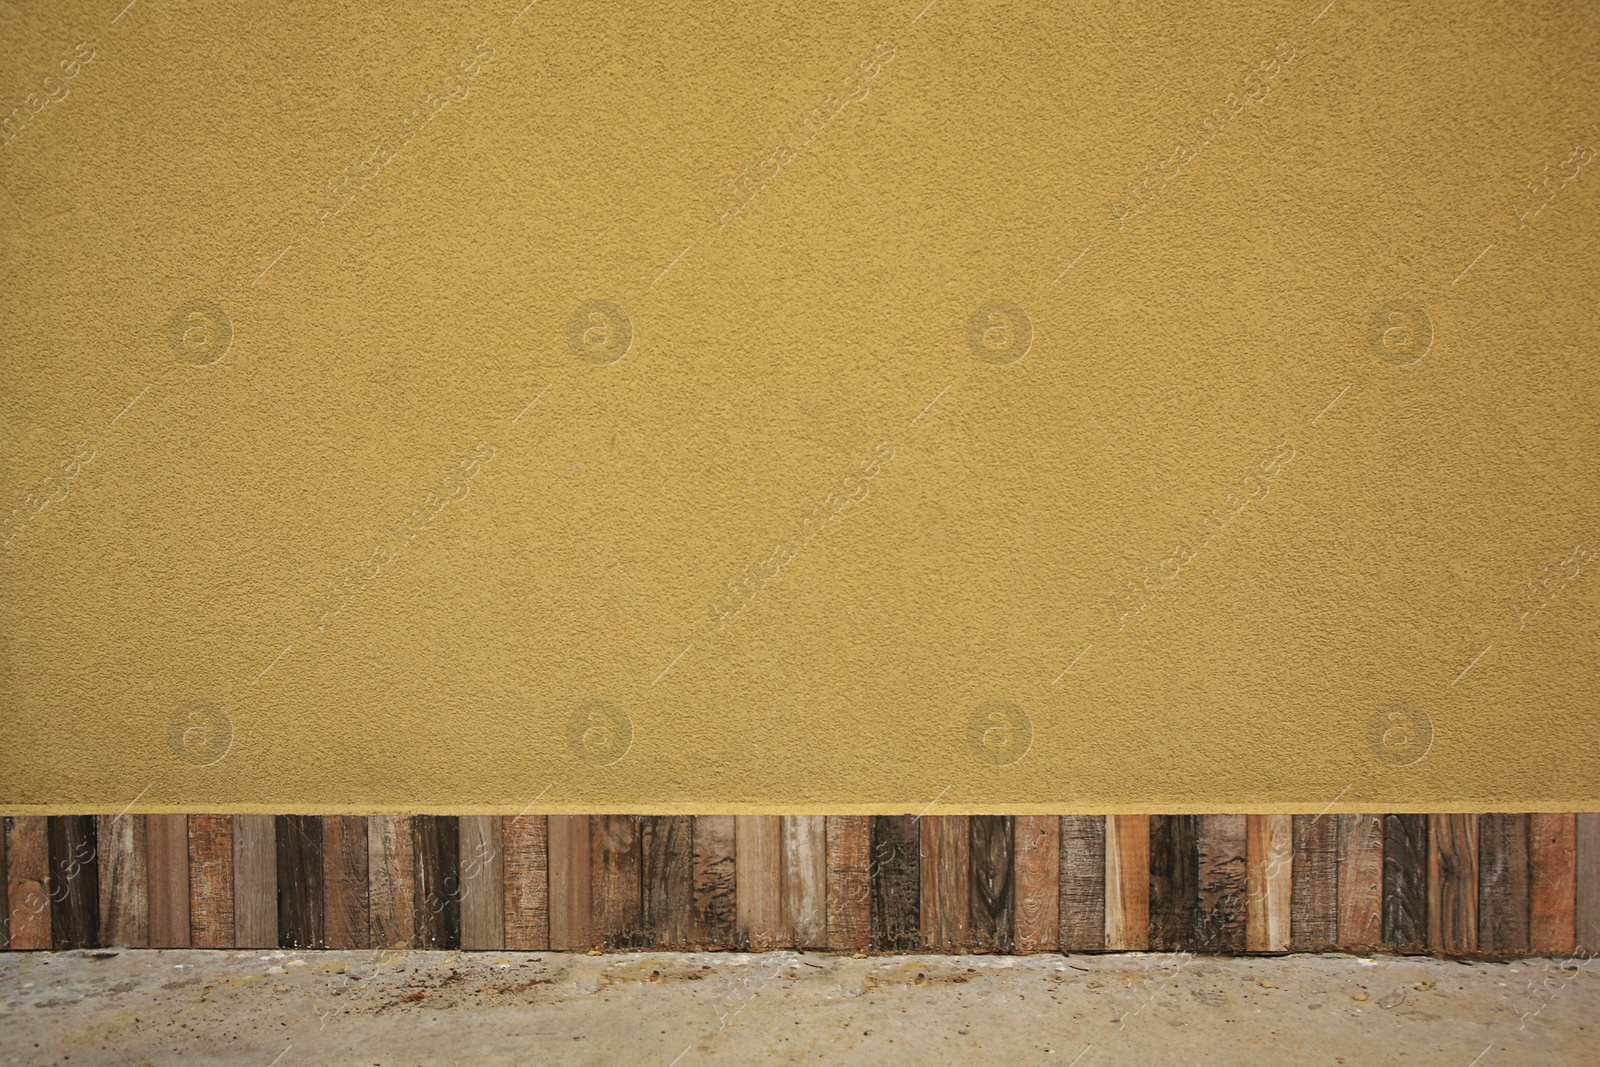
<point x="683" y="1010"/>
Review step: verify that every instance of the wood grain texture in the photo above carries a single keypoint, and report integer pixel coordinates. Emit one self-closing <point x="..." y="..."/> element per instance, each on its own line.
<point x="1222" y="845"/>
<point x="28" y="881"/>
<point x="5" y="889"/>
<point x="211" y="881"/>
<point x="74" y="882"/>
<point x="616" y="880"/>
<point x="255" y="881"/>
<point x="1127" y="890"/>
<point x="1360" y="882"/>
<point x="805" y="881"/>
<point x="526" y="907"/>
<point x="571" y="910"/>
<point x="391" y="882"/>
<point x="1552" y="888"/>
<point x="300" y="899"/>
<point x="1405" y="883"/>
<point x="1586" y="911"/>
<point x="946" y="890"/>
<point x="1174" y="881"/>
<point x="1314" y="888"/>
<point x="667" y="850"/>
<point x="1269" y="876"/>
<point x="715" y="897"/>
<point x="1503" y="883"/>
<point x="1083" y="883"/>
<point x="346" y="914"/>
<point x="1036" y="883"/>
<point x="124" y="893"/>
<point x="991" y="848"/>
<point x="167" y="864"/>
<point x="1453" y="883"/>
<point x="758" y="880"/>
<point x="896" y="877"/>
<point x="482" y="867"/>
<point x="436" y="848"/>
<point x="849" y="878"/>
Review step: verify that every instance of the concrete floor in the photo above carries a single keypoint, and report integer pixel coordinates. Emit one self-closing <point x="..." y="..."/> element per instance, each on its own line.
<point x="682" y="1010"/>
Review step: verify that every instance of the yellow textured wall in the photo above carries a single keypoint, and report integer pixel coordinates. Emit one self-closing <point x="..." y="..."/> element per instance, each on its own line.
<point x="1006" y="406"/>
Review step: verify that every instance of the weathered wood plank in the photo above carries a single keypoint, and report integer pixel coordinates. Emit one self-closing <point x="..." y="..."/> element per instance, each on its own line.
<point x="1453" y="883"/>
<point x="345" y="904"/>
<point x="482" y="868"/>
<point x="124" y="892"/>
<point x="526" y="907"/>
<point x="211" y="881"/>
<point x="758" y="879"/>
<point x="896" y="880"/>
<point x="391" y="882"/>
<point x="715" y="892"/>
<point x="1083" y="883"/>
<point x="1552" y="889"/>
<point x="436" y="847"/>
<point x="1314" y="889"/>
<point x="74" y="882"/>
<point x="571" y="903"/>
<point x="1503" y="883"/>
<point x="616" y="879"/>
<point x="1586" y="913"/>
<point x="849" y="883"/>
<point x="1360" y="882"/>
<point x="1174" y="881"/>
<point x="946" y="890"/>
<point x="667" y="851"/>
<point x="300" y="914"/>
<point x="255" y="881"/>
<point x="1405" y="883"/>
<point x="5" y="887"/>
<point x="805" y="880"/>
<point x="1269" y="876"/>
<point x="991" y="892"/>
<point x="1223" y="848"/>
<point x="167" y="864"/>
<point x="1127" y="891"/>
<point x="1036" y="883"/>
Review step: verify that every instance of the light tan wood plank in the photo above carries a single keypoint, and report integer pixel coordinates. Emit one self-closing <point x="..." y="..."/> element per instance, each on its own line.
<point x="1360" y="882"/>
<point x="758" y="881"/>
<point x="571" y="919"/>
<point x="255" y="881"/>
<point x="168" y="864"/>
<point x="28" y="881"/>
<point x="1270" y="878"/>
<point x="1127" y="883"/>
<point x="124" y="889"/>
<point x="805" y="880"/>
<point x="482" y="883"/>
<point x="391" y="882"/>
<point x="1552" y="888"/>
<point x="1036" y="874"/>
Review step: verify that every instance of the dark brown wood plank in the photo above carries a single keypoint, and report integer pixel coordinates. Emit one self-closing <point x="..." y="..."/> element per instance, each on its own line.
<point x="1314" y="889"/>
<point x="1360" y="882"/>
<point x="805" y="880"/>
<point x="849" y="883"/>
<point x="1453" y="883"/>
<point x="617" y="880"/>
<point x="436" y="847"/>
<point x="1221" y="870"/>
<point x="715" y="898"/>
<point x="571" y="899"/>
<point x="211" y="881"/>
<point x="991" y="844"/>
<point x="1174" y="881"/>
<point x="28" y="881"/>
<point x="667" y="851"/>
<point x="345" y="905"/>
<point x="1405" y="883"/>
<point x="1036" y="883"/>
<point x="167" y="863"/>
<point x="946" y="891"/>
<point x="74" y="882"/>
<point x="1127" y="883"/>
<point x="1552" y="889"/>
<point x="255" y="881"/>
<point x="758" y="881"/>
<point x="1586" y="869"/>
<point x="124" y="894"/>
<point x="1083" y="883"/>
<point x="391" y="882"/>
<point x="525" y="841"/>
<point x="300" y="899"/>
<point x="896" y="882"/>
<point x="1502" y="883"/>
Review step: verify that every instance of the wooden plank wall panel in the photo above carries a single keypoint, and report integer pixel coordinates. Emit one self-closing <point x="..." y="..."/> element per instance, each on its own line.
<point x="896" y="874"/>
<point x="849" y="878"/>
<point x="436" y="849"/>
<point x="1036" y="882"/>
<point x="1314" y="891"/>
<point x="1405" y="883"/>
<point x="28" y="881"/>
<point x="1269" y="875"/>
<point x="667" y="849"/>
<point x="300" y="898"/>
<point x="1552" y="870"/>
<point x="715" y="906"/>
<point x="345" y="902"/>
<point x="571" y="907"/>
<point x="1503" y="883"/>
<point x="255" y="881"/>
<point x="211" y="881"/>
<point x="946" y="890"/>
<point x="391" y="882"/>
<point x="482" y="883"/>
<point x="1174" y="881"/>
<point x="526" y="906"/>
<point x="1083" y="883"/>
<point x="991" y="892"/>
<point x="758" y="881"/>
<point x="616" y="880"/>
<point x="1453" y="883"/>
<point x="124" y="896"/>
<point x="1222" y="859"/>
<point x="74" y="882"/>
<point x="1360" y="882"/>
<point x="1127" y="885"/>
<point x="167" y="864"/>
<point x="805" y="880"/>
<point x="5" y="889"/>
<point x="1586" y="912"/>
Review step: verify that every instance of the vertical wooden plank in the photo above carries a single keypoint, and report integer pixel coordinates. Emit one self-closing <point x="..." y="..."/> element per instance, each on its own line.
<point x="571" y="907"/>
<point x="28" y="881"/>
<point x="124" y="899"/>
<point x="1127" y="883"/>
<point x="1269" y="876"/>
<point x="990" y="891"/>
<point x="1083" y="883"/>
<point x="805" y="880"/>
<point x="1586" y="913"/>
<point x="1174" y="881"/>
<point x="74" y="882"/>
<point x="211" y="881"/>
<point x="616" y="879"/>
<point x="167" y="864"/>
<point x="525" y="843"/>
<point x="1314" y="884"/>
<point x="1360" y="882"/>
<point x="300" y="914"/>
<point x="482" y="883"/>
<point x="715" y="892"/>
<point x="1453" y="883"/>
<point x="1223" y="859"/>
<point x="946" y="890"/>
<point x="896" y="883"/>
<point x="1036" y="882"/>
<point x="1502" y="883"/>
<point x="391" y="882"/>
<point x="345" y="904"/>
<point x="5" y="887"/>
<point x="849" y="887"/>
<point x="436" y="847"/>
<point x="1553" y="897"/>
<point x="1405" y="882"/>
<point x="255" y="881"/>
<point x="758" y="878"/>
<point x="667" y="848"/>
